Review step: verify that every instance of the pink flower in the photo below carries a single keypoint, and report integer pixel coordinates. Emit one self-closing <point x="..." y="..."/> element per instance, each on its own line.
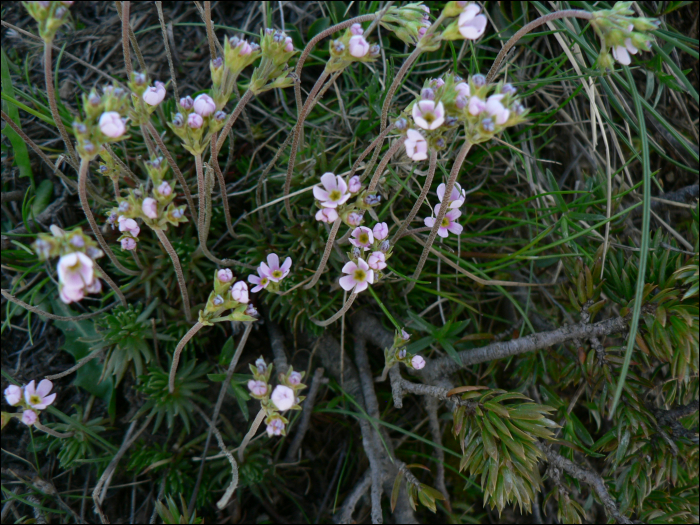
<point x="463" y="89"/>
<point x="289" y="45"/>
<point x="13" y="394"/>
<point x="75" y="272"/>
<point x="273" y="270"/>
<point x="448" y="222"/>
<point x="427" y="115"/>
<point x="416" y="146"/>
<point x="29" y="417"/>
<point x="224" y="275"/>
<point x="476" y="106"/>
<point x="358" y="46"/>
<point x="622" y="53"/>
<point x="275" y="427"/>
<point x="39" y="398"/>
<point x="260" y="281"/>
<point x="405" y="335"/>
<point x="204" y="105"/>
<point x="154" y="95"/>
<point x="239" y="292"/>
<point x="362" y="237"/>
<point x="326" y="215"/>
<point x="354" y="184"/>
<point x="294" y="378"/>
<point x="471" y="24"/>
<point x="150" y="208"/>
<point x="129" y="226"/>
<point x="456" y="198"/>
<point x="380" y="231"/>
<point x="245" y="48"/>
<point x="356" y="29"/>
<point x="257" y="388"/>
<point x="186" y="102"/>
<point x="377" y="261"/>
<point x="194" y="121"/>
<point x="334" y="191"/>
<point x="283" y="397"/>
<point x="165" y="189"/>
<point x="128" y="243"/>
<point x="354" y="219"/>
<point x="497" y="110"/>
<point x="417" y="362"/>
<point x="437" y="82"/>
<point x="359" y="275"/>
<point x="112" y="125"/>
<point x="70" y="295"/>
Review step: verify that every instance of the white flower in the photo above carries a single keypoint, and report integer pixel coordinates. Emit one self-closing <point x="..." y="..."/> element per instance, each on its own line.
<point x="283" y="397"/>
<point x="334" y="191"/>
<point x="359" y="275"/>
<point x="427" y="115"/>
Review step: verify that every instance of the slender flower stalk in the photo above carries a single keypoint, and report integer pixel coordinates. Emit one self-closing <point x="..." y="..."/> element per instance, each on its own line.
<point x="178" y="350"/>
<point x="51" y="95"/>
<point x="106" y="278"/>
<point x="253" y="429"/>
<point x="421" y="197"/>
<point x="149" y="143"/>
<point x="383" y="164"/>
<point x="456" y="167"/>
<point x="178" y="271"/>
<point x="211" y="37"/>
<point x="568" y="13"/>
<point x="82" y="192"/>
<point x="126" y="8"/>
<point x="338" y="314"/>
<point x="326" y="254"/>
<point x="201" y="199"/>
<point x="295" y="139"/>
<point x="232" y="118"/>
<point x="222" y="184"/>
<point x="368" y="150"/>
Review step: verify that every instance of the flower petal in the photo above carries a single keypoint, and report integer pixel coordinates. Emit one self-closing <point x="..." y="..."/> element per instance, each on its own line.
<point x="342" y="185"/>
<point x="44" y="387"/>
<point x="429" y="221"/>
<point x="361" y="287"/>
<point x="442" y="232"/>
<point x="455" y="228"/>
<point x="320" y="194"/>
<point x="286" y="265"/>
<point x="329" y="181"/>
<point x="347" y="282"/>
<point x="273" y="261"/>
<point x="474" y="28"/>
<point x="362" y="265"/>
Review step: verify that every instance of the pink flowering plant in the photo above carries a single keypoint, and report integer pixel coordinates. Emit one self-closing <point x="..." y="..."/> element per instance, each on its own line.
<point x="29" y="400"/>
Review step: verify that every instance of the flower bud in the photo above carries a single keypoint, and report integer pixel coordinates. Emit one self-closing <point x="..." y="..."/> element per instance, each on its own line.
<point x="356" y="252"/>
<point x="128" y="243"/>
<point x="195" y="121"/>
<point x="178" y="213"/>
<point x="402" y="353"/>
<point x="79" y="128"/>
<point x="356" y="29"/>
<point x="88" y="147"/>
<point x="186" y="102"/>
<point x="94" y="99"/>
<point x="385" y="246"/>
<point x="217" y="62"/>
<point x="354" y="184"/>
<point x="427" y="94"/>
<point x="440" y="143"/>
<point x="251" y="311"/>
<point x="204" y="105"/>
<point x="295" y="377"/>
<point x="124" y="206"/>
<point x="451" y="121"/>
<point x="261" y="365"/>
<point x="375" y="51"/>
<point x="417" y="362"/>
<point x="401" y="124"/>
<point x="354" y="219"/>
<point x="461" y="102"/>
<point x="488" y="125"/>
<point x="178" y="120"/>
<point x="478" y="80"/>
<point x="77" y="241"/>
<point x="234" y="41"/>
<point x="372" y="199"/>
<point x="508" y="88"/>
<point x="405" y="335"/>
<point x="139" y="79"/>
<point x="338" y="46"/>
<point x="218" y="300"/>
<point x="220" y="116"/>
<point x="224" y="275"/>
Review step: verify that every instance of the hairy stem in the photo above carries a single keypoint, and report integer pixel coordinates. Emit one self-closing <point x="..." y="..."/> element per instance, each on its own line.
<point x="51" y="95"/>
<point x="295" y="139"/>
<point x="126" y="7"/>
<point x="253" y="429"/>
<point x="368" y="150"/>
<point x="82" y="192"/>
<point x="222" y="184"/>
<point x="7" y="295"/>
<point x="232" y="118"/>
<point x="421" y="197"/>
<point x="52" y="432"/>
<point x="111" y="283"/>
<point x="568" y="13"/>
<point x="210" y="31"/>
<point x="383" y="164"/>
<point x="338" y="314"/>
<point x="326" y="253"/>
<point x="178" y="271"/>
<point x="166" y="44"/>
<point x="147" y="140"/>
<point x="176" y="356"/>
<point x="201" y="200"/>
<point x="456" y="167"/>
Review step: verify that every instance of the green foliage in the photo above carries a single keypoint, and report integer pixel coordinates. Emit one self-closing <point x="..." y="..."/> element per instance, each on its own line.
<point x="172" y="513"/>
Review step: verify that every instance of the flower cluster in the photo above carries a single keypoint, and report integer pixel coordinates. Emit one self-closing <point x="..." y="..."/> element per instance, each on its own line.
<point x="270" y="274"/>
<point x="284" y="397"/>
<point x="398" y="353"/>
<point x="351" y="47"/>
<point x="333" y="194"/>
<point x="470" y="24"/>
<point x="361" y="273"/>
<point x="449" y="224"/>
<point x="238" y="55"/>
<point x="76" y="270"/>
<point x="30" y="399"/>
<point x="196" y="121"/>
<point x="145" y="98"/>
<point x="408" y="22"/>
<point x="103" y="122"/>
<point x="49" y="15"/>
<point x="276" y="49"/>
<point x="228" y="294"/>
<point x="622" y="33"/>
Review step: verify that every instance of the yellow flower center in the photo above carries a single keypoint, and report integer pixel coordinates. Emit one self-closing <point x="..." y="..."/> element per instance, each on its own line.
<point x="363" y="238"/>
<point x="277" y="274"/>
<point x="360" y="275"/>
<point x="34" y="400"/>
<point x="334" y="195"/>
<point x="429" y="117"/>
<point x="445" y="222"/>
<point x="264" y="281"/>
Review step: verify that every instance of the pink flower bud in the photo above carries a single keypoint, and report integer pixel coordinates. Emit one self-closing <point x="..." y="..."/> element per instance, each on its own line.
<point x="358" y="46"/>
<point x="354" y="219"/>
<point x="195" y="121"/>
<point x="13" y="394"/>
<point x="275" y="427"/>
<point x="377" y="261"/>
<point x="239" y="292"/>
<point x="257" y="388"/>
<point x="154" y="95"/>
<point x="150" y="208"/>
<point x="476" y="106"/>
<point x="405" y="335"/>
<point x="186" y="102"/>
<point x="164" y="189"/>
<point x="225" y="275"/>
<point x="289" y="47"/>
<point x="29" y="417"/>
<point x="380" y="231"/>
<point x="245" y="48"/>
<point x="417" y="362"/>
<point x="111" y="125"/>
<point x="128" y="225"/>
<point x="294" y="378"/>
<point x="354" y="184"/>
<point x="128" y="243"/>
<point x="283" y="397"/>
<point x="204" y="105"/>
<point x="326" y="215"/>
<point x="356" y="29"/>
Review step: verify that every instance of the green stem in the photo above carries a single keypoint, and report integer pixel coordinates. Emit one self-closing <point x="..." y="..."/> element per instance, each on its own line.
<point x="51" y="95"/>
<point x="381" y="305"/>
<point x="176" y="356"/>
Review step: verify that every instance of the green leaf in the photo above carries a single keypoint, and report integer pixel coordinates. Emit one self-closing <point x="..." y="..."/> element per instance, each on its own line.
<point x="18" y="145"/>
<point x="319" y="25"/>
<point x="395" y="490"/>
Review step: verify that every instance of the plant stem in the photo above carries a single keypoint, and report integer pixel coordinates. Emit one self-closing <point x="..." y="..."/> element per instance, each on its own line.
<point x="161" y="18"/>
<point x="232" y="118"/>
<point x="51" y="95"/>
<point x="178" y="271"/>
<point x="7" y="295"/>
<point x="82" y="192"/>
<point x="253" y="429"/>
<point x="210" y="34"/>
<point x="421" y="197"/>
<point x="326" y="253"/>
<point x="126" y="8"/>
<point x="368" y="150"/>
<point x="180" y="177"/>
<point x="568" y="13"/>
<point x="147" y="140"/>
<point x="201" y="200"/>
<point x="383" y="164"/>
<point x="295" y="139"/>
<point x="111" y="283"/>
<point x="176" y="356"/>
<point x="381" y="305"/>
<point x="52" y="432"/>
<point x="459" y="160"/>
<point x="222" y="184"/>
<point x="338" y="314"/>
<point x="137" y="260"/>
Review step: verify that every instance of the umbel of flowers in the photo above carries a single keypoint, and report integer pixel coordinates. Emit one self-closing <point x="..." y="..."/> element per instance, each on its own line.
<point x="276" y="49"/>
<point x="49" y="15"/>
<point x="227" y="295"/>
<point x="270" y="275"/>
<point x="30" y="400"/>
<point x="397" y="353"/>
<point x="102" y="122"/>
<point x="333" y="199"/>
<point x="284" y="397"/>
<point x="408" y="22"/>
<point x="76" y="270"/>
<point x="351" y="47"/>
<point x="238" y="55"/>
<point x="368" y="257"/>
<point x="196" y="121"/>
<point x="145" y="98"/>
